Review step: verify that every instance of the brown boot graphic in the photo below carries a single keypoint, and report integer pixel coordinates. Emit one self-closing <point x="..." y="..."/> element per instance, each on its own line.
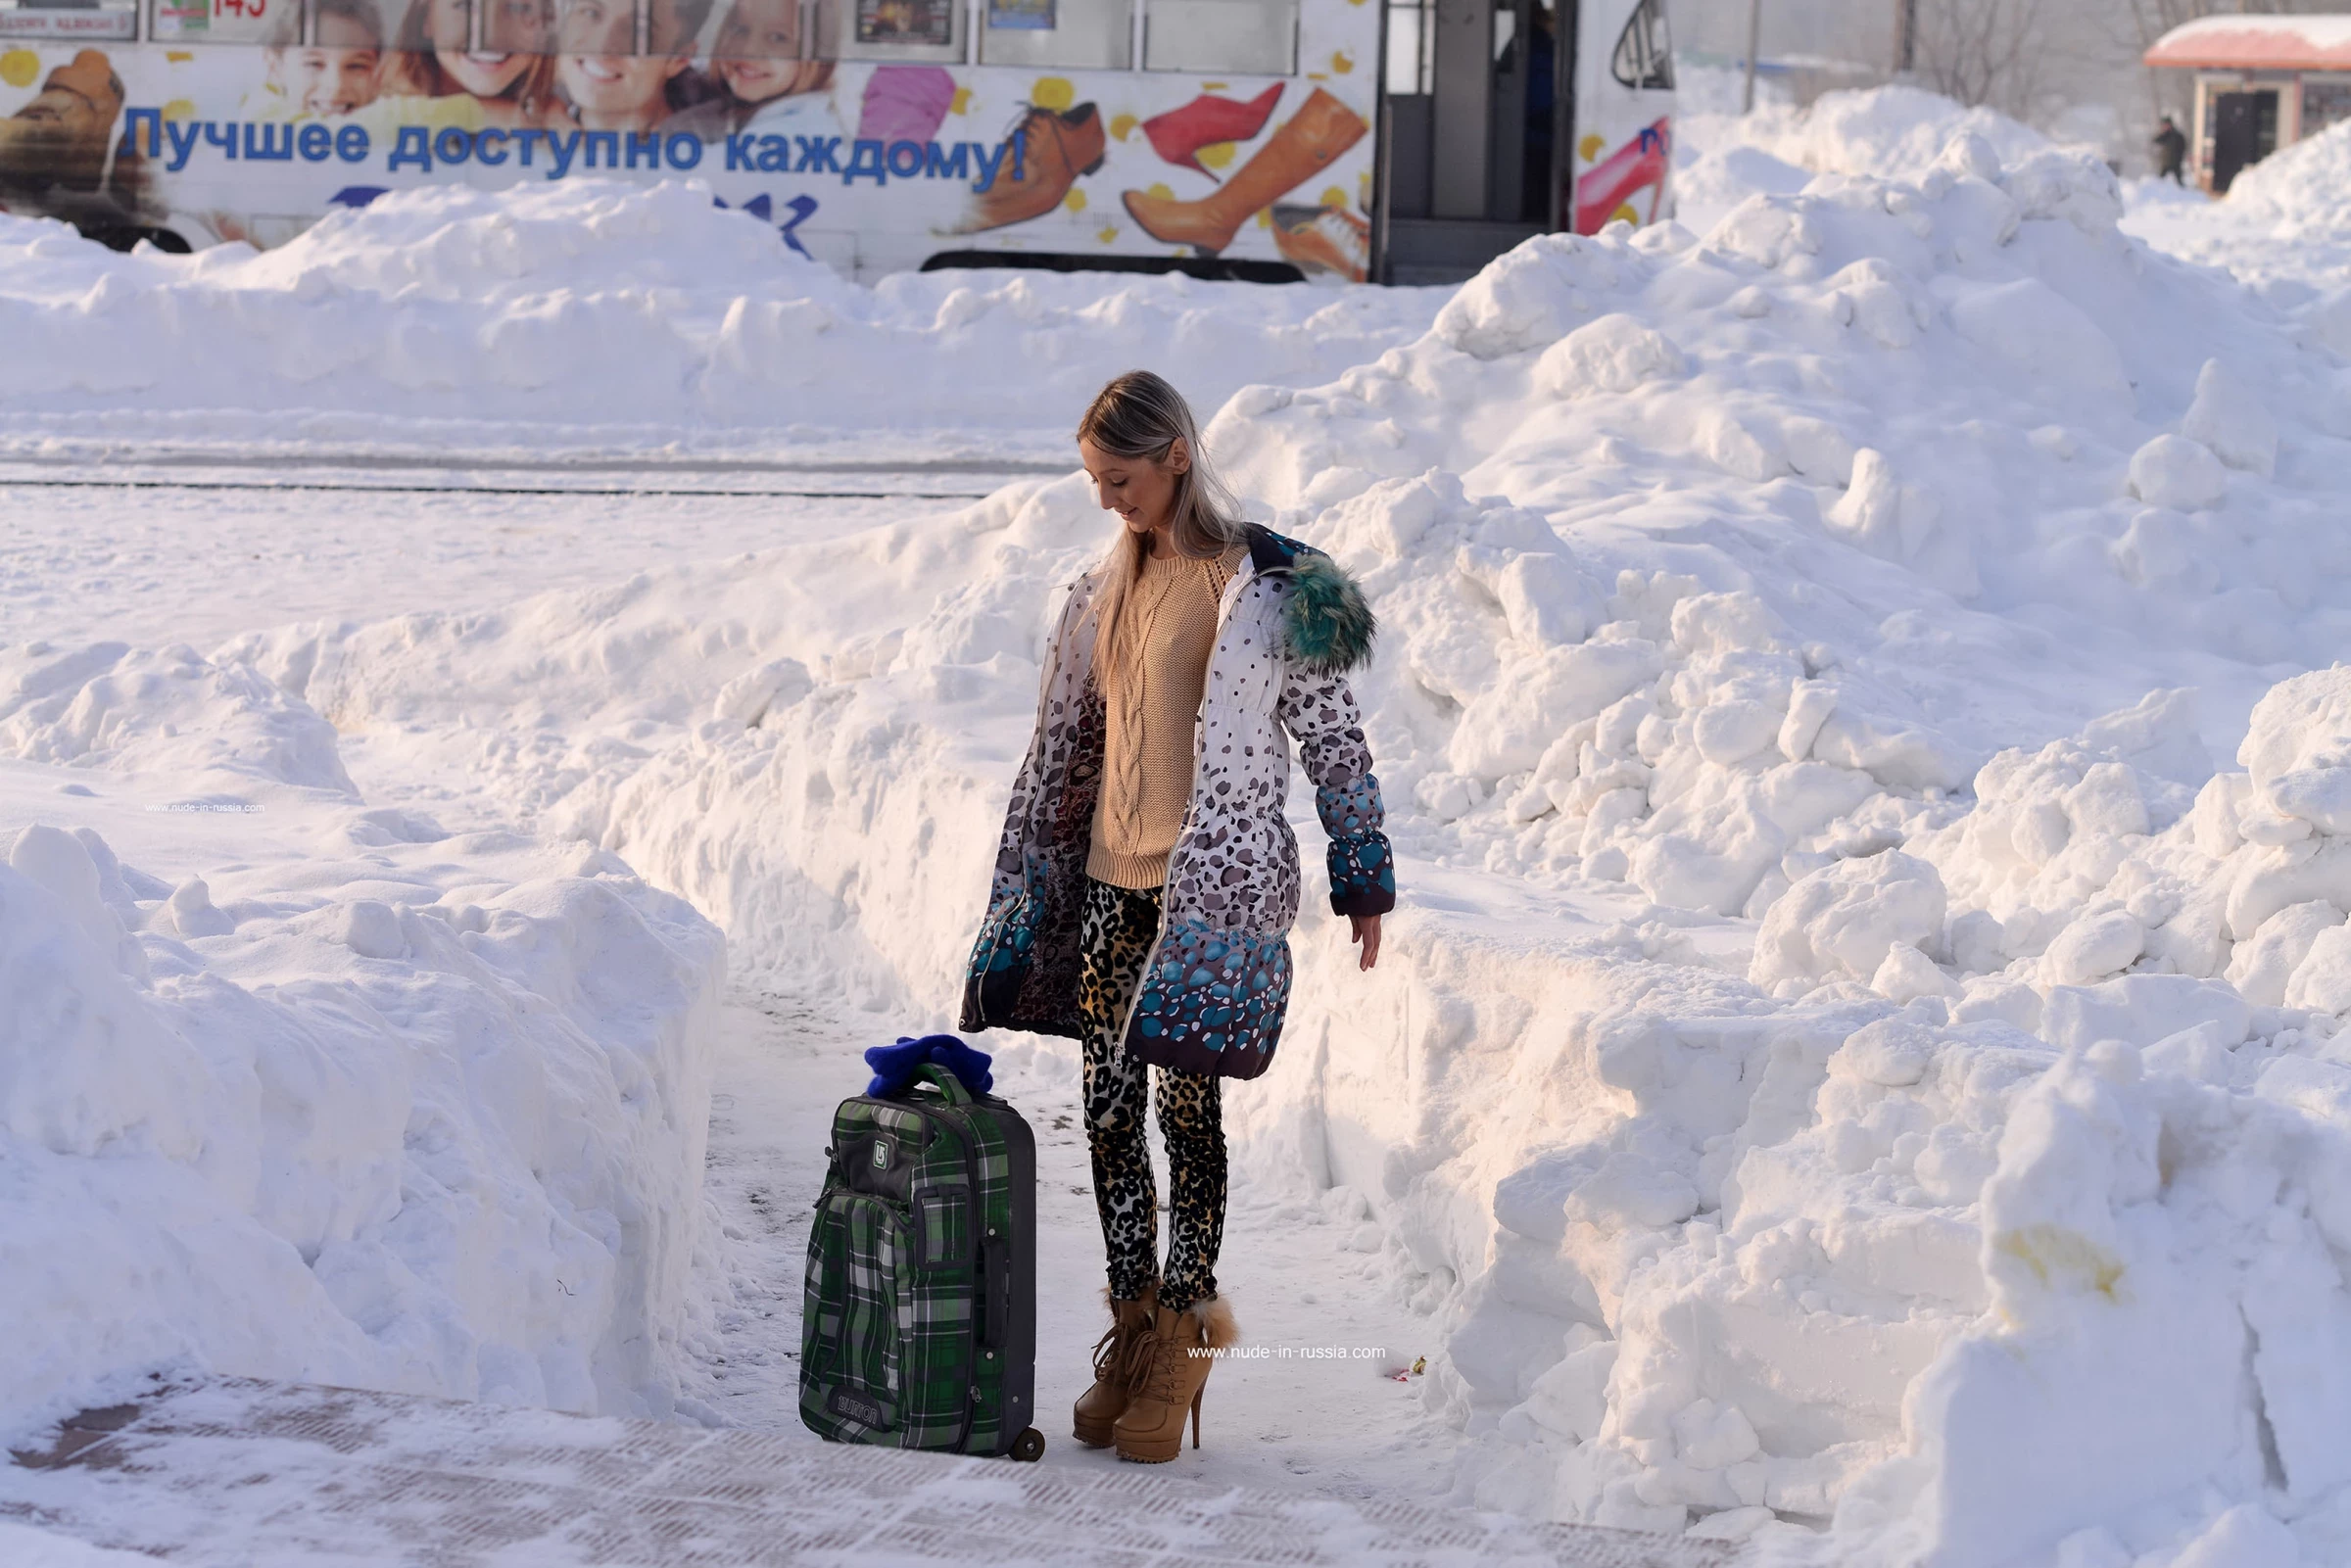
<point x="1314" y="137"/>
<point x="62" y="136"/>
<point x="1043" y="157"/>
<point x="1323" y="239"/>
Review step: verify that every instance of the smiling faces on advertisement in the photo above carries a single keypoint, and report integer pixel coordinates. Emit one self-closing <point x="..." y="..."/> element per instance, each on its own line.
<point x="341" y="68"/>
<point x="507" y="64"/>
<point x="606" y="83"/>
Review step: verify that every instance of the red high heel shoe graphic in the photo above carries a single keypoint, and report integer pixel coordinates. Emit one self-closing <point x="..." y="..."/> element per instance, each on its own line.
<point x="1178" y="134"/>
<point x="1606" y="185"/>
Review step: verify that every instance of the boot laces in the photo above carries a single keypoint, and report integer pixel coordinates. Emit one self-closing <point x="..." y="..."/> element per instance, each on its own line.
<point x="1029" y="126"/>
<point x="1106" y="1355"/>
<point x="1158" y="1364"/>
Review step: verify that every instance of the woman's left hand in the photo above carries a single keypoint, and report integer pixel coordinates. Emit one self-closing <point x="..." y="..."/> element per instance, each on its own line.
<point x="1366" y="931"/>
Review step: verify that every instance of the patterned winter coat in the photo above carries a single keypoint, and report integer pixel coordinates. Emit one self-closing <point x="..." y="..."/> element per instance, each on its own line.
<point x="1212" y="992"/>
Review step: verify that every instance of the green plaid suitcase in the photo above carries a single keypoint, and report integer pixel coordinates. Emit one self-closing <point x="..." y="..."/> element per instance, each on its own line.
<point x="918" y="1323"/>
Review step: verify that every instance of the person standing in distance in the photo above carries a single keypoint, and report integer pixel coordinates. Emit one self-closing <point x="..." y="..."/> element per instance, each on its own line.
<point x="2170" y="152"/>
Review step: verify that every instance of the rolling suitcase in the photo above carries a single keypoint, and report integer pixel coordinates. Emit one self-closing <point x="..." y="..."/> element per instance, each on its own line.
<point x="918" y="1323"/>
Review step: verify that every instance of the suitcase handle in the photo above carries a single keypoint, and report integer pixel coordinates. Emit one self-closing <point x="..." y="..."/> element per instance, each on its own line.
<point x="944" y="1079"/>
<point x="994" y="1293"/>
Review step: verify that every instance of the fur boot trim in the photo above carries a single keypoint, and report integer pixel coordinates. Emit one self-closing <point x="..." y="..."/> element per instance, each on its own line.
<point x="1215" y="1322"/>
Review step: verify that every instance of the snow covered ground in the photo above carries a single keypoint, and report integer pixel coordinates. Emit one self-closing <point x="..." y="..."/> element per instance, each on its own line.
<point x="2284" y="229"/>
<point x="607" y="318"/>
<point x="1858" y="1052"/>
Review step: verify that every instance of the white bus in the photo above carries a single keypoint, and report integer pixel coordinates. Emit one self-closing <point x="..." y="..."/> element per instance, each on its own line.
<point x="1398" y="140"/>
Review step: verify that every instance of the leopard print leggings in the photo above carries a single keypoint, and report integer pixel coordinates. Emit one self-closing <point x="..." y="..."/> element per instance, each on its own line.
<point x="1118" y="928"/>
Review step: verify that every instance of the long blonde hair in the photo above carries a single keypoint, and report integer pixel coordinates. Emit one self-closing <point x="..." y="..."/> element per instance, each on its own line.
<point x="1140" y="416"/>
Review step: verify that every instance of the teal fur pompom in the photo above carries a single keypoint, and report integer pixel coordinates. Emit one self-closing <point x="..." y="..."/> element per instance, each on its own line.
<point x="1327" y="624"/>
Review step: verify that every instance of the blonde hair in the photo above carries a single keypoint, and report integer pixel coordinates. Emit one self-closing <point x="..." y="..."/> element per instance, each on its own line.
<point x="1138" y="415"/>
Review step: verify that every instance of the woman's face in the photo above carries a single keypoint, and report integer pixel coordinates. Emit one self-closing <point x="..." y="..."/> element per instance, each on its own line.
<point x="759" y="49"/>
<point x="1142" y="492"/>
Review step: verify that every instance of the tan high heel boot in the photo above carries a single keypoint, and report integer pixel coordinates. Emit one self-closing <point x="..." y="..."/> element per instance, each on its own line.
<point x="1101" y="1405"/>
<point x="1320" y="130"/>
<point x="1170" y="1377"/>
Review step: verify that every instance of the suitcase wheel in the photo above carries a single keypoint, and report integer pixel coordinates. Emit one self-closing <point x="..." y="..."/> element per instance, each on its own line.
<point x="1030" y="1445"/>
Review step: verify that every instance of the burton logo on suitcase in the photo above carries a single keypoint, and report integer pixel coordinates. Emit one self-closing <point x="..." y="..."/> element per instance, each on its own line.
<point x="919" y="1325"/>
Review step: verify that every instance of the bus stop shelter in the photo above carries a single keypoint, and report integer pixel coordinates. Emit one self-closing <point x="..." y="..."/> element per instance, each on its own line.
<point x="2261" y="83"/>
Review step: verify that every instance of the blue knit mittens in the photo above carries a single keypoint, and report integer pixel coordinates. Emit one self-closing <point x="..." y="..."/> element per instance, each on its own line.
<point x="894" y="1064"/>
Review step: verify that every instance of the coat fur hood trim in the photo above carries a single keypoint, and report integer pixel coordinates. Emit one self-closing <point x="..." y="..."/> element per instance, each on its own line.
<point x="1328" y="626"/>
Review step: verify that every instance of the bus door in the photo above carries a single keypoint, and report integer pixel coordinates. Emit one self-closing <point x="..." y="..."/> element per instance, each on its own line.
<point x="1456" y="133"/>
<point x="1504" y="119"/>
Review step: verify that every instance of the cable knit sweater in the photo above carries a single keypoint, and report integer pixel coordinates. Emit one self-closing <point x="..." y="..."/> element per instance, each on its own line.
<point x="1151" y="701"/>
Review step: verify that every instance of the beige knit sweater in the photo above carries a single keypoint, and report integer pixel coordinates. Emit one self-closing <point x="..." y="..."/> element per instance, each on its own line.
<point x="1151" y="695"/>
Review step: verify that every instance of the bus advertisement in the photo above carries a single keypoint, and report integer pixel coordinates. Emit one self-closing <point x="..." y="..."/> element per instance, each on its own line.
<point x="876" y="135"/>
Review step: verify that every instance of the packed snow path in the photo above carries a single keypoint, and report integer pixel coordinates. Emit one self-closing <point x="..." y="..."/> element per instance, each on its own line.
<point x="248" y="1472"/>
<point x="1327" y="1402"/>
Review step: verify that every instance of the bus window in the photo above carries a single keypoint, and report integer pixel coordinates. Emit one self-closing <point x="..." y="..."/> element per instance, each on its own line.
<point x="65" y="20"/>
<point x="1083" y="35"/>
<point x="910" y="31"/>
<point x="1644" y="52"/>
<point x="1247" y="37"/>
<point x="1412" y="54"/>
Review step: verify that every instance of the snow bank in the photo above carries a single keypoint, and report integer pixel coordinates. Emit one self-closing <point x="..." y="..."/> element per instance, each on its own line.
<point x="640" y="312"/>
<point x="293" y="1087"/>
<point x="2282" y="228"/>
<point x="1891" y="132"/>
<point x="2302" y="185"/>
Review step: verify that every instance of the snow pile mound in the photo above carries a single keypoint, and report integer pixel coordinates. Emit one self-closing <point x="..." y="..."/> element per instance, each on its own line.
<point x="1891" y="132"/>
<point x="393" y="1111"/>
<point x="780" y="737"/>
<point x="618" y="306"/>
<point x="167" y="711"/>
<point x="1913" y="420"/>
<point x="2302" y="186"/>
<point x="2281" y="229"/>
<point x="336" y="1095"/>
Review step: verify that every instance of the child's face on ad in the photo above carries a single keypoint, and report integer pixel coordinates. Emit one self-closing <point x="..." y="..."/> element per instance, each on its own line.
<point x="758" y="48"/>
<point x="338" y="73"/>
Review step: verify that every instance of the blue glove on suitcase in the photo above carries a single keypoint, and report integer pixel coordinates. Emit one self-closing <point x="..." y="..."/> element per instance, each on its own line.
<point x="895" y="1065"/>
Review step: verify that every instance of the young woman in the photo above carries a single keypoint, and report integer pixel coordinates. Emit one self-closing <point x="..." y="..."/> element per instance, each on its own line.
<point x="1147" y="878"/>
